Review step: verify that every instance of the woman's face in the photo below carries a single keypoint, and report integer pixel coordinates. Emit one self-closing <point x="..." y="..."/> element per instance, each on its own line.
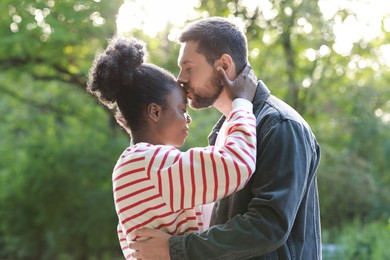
<point x="173" y="125"/>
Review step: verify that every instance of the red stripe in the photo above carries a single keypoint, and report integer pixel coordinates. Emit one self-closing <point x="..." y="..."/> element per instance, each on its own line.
<point x="192" y="179"/>
<point x="142" y="213"/>
<point x="128" y="173"/>
<point x="238" y="175"/>
<point x="178" y="225"/>
<point x="152" y="160"/>
<point x="129" y="161"/>
<point x="169" y="224"/>
<point x="171" y="187"/>
<point x="176" y="158"/>
<point x="240" y="158"/>
<point x="143" y="149"/>
<point x="214" y="173"/>
<point x="244" y="140"/>
<point x="230" y="144"/>
<point x="240" y="117"/>
<point x="143" y="224"/>
<point x="133" y="194"/>
<point x="130" y="183"/>
<point x="233" y="130"/>
<point x="181" y="184"/>
<point x="249" y="154"/>
<point x="138" y="203"/>
<point x="186" y="220"/>
<point x="235" y="112"/>
<point x="190" y="229"/>
<point x="226" y="171"/>
<point x="203" y="177"/>
<point x="159" y="171"/>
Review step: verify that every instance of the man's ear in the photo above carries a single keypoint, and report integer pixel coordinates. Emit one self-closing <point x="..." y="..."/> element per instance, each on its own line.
<point x="226" y="62"/>
<point x="154" y="111"/>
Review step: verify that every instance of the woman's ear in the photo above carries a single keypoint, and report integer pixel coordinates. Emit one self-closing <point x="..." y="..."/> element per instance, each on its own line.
<point x="154" y="111"/>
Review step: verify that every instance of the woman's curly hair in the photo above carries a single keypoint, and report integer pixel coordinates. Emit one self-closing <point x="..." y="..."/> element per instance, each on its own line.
<point x="120" y="79"/>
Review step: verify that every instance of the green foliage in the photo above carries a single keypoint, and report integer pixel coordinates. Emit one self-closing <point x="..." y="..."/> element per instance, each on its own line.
<point x="339" y="98"/>
<point x="200" y="128"/>
<point x="58" y="145"/>
<point x="342" y="97"/>
<point x="361" y="241"/>
<point x="354" y="159"/>
<point x="54" y="40"/>
<point x="55" y="174"/>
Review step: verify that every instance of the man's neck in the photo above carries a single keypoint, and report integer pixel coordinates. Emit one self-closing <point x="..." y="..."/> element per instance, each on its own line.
<point x="223" y="104"/>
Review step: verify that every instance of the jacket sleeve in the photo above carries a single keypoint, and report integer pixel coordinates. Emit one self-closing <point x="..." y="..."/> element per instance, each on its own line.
<point x="277" y="187"/>
<point x="202" y="175"/>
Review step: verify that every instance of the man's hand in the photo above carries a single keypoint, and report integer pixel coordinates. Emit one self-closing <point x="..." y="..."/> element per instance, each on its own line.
<point x="151" y="244"/>
<point x="244" y="86"/>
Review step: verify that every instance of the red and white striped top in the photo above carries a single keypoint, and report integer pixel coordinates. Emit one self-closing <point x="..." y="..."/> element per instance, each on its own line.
<point x="161" y="187"/>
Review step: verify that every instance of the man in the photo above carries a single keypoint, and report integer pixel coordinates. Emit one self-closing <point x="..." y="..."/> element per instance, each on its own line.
<point x="276" y="215"/>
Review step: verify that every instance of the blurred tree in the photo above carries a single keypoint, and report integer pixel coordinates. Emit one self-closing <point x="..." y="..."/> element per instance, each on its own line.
<point x="56" y="195"/>
<point x="54" y="40"/>
<point x="344" y="97"/>
<point x="58" y="151"/>
<point x="58" y="145"/>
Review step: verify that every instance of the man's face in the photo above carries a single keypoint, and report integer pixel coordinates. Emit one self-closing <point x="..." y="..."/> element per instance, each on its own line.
<point x="198" y="77"/>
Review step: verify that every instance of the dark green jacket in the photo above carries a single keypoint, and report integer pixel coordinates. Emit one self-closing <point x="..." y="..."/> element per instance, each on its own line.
<point x="276" y="215"/>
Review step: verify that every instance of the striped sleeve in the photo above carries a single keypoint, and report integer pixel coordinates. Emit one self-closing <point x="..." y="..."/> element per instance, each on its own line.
<point x="203" y="175"/>
<point x="127" y="252"/>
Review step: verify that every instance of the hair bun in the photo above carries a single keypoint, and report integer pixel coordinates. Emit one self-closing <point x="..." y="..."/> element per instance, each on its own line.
<point x="113" y="69"/>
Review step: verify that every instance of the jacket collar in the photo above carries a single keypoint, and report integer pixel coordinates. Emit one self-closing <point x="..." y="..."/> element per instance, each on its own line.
<point x="261" y="95"/>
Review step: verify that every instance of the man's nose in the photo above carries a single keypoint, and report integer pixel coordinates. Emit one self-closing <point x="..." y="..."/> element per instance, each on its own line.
<point x="180" y="78"/>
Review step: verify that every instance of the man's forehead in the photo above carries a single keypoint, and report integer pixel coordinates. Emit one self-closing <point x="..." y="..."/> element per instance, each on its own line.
<point x="188" y="52"/>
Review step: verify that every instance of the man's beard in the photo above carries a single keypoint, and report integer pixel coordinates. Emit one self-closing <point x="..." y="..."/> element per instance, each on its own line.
<point x="205" y="100"/>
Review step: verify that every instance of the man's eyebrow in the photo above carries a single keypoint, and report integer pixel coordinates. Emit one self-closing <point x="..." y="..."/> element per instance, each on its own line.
<point x="185" y="62"/>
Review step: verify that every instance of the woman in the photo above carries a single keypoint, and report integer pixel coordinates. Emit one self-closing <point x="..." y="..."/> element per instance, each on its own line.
<point x="156" y="185"/>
